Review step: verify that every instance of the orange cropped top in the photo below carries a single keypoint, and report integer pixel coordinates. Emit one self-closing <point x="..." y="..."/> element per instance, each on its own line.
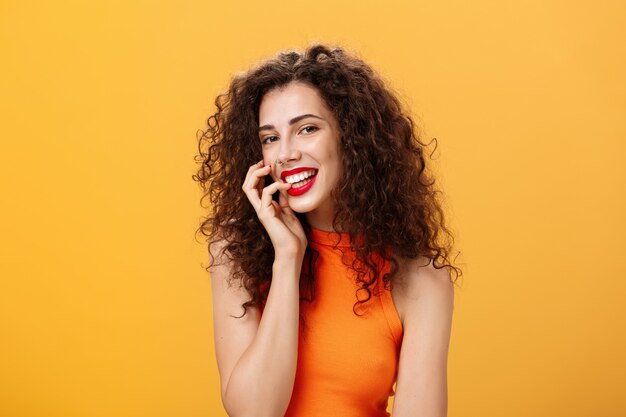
<point x="347" y="364"/>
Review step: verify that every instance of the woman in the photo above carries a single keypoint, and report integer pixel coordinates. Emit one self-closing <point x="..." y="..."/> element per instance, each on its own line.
<point x="326" y="221"/>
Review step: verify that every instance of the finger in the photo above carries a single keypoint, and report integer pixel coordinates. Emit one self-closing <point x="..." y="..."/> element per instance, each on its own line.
<point x="252" y="186"/>
<point x="284" y="206"/>
<point x="270" y="190"/>
<point x="254" y="174"/>
<point x="266" y="198"/>
<point x="282" y="201"/>
<point x="275" y="206"/>
<point x="255" y="166"/>
<point x="288" y="215"/>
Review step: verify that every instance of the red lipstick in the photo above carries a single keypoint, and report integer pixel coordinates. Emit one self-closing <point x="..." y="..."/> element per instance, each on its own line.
<point x="289" y="172"/>
<point x="303" y="189"/>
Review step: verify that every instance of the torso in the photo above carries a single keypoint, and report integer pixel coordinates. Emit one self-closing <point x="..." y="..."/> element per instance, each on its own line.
<point x="332" y="377"/>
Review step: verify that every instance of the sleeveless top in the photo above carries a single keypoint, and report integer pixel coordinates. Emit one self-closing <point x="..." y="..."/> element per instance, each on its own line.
<point x="347" y="364"/>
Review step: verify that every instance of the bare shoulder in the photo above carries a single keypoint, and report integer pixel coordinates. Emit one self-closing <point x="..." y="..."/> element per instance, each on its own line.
<point x="419" y="279"/>
<point x="228" y="294"/>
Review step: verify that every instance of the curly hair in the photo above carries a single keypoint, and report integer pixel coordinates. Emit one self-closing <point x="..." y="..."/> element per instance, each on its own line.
<point x="393" y="210"/>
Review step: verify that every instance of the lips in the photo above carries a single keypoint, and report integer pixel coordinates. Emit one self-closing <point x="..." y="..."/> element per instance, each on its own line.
<point x="303" y="189"/>
<point x="289" y="172"/>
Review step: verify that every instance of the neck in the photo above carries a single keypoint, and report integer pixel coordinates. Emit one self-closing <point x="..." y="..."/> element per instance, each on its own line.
<point x="324" y="223"/>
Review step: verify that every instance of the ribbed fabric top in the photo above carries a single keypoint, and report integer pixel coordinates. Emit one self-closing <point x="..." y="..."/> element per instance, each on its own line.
<point x="347" y="364"/>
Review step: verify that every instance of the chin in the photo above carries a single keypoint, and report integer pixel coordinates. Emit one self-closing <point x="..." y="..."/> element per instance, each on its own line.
<point x="302" y="206"/>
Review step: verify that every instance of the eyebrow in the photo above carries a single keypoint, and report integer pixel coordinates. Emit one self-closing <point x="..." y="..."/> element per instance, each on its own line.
<point x="292" y="121"/>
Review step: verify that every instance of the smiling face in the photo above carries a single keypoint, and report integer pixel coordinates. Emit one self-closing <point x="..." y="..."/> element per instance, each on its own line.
<point x="297" y="128"/>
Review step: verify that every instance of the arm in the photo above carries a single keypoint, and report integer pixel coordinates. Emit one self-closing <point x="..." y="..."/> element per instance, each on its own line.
<point x="422" y="388"/>
<point x="256" y="355"/>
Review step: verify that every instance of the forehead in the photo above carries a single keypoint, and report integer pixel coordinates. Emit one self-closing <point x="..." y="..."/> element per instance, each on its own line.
<point x="289" y="101"/>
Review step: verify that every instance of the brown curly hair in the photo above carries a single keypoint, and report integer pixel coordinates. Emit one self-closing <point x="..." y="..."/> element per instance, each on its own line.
<point x="393" y="207"/>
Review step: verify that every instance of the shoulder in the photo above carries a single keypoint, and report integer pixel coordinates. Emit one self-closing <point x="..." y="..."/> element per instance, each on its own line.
<point x="419" y="282"/>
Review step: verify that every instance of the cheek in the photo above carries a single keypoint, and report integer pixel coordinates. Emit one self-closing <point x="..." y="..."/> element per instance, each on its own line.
<point x="336" y="169"/>
<point x="337" y="159"/>
<point x="267" y="159"/>
<point x="265" y="154"/>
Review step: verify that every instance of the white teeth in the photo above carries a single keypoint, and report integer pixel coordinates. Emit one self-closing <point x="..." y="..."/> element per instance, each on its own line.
<point x="299" y="177"/>
<point x="301" y="183"/>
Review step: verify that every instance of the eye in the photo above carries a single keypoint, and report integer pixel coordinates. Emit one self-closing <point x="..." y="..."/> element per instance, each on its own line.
<point x="267" y="139"/>
<point x="309" y="127"/>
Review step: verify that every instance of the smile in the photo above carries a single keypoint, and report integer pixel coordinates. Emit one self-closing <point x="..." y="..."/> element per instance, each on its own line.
<point x="300" y="177"/>
<point x="301" y="183"/>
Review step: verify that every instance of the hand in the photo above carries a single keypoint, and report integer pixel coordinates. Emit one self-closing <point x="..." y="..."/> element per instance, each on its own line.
<point x="282" y="225"/>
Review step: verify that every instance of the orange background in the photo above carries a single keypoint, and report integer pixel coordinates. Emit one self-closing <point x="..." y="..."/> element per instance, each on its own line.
<point x="105" y="307"/>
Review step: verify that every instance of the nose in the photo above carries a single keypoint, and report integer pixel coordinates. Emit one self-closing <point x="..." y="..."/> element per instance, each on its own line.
<point x="287" y="151"/>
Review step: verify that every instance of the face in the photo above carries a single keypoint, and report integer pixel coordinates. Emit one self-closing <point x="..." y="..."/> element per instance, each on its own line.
<point x="297" y="128"/>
